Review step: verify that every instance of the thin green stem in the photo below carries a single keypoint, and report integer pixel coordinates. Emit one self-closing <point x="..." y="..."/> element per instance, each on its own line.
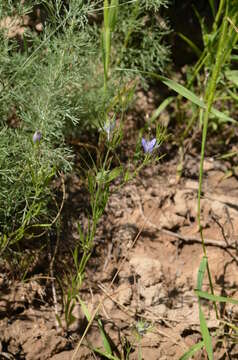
<point x="218" y="15"/>
<point x="198" y="67"/>
<point x="209" y="96"/>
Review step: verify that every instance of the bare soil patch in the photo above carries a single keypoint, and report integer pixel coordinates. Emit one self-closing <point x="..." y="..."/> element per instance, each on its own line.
<point x="149" y="235"/>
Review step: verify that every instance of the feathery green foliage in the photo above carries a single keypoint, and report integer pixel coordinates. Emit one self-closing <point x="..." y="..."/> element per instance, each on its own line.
<point x="53" y="82"/>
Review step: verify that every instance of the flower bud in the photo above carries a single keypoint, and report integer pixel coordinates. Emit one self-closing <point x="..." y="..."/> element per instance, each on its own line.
<point x="37" y="137"/>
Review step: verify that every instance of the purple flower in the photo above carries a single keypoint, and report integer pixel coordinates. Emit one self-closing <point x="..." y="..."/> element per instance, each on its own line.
<point x="109" y="127"/>
<point x="148" y="146"/>
<point x="37" y="137"/>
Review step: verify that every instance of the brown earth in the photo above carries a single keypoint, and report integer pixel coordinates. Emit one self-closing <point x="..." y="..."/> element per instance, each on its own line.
<point x="143" y="272"/>
<point x="149" y="237"/>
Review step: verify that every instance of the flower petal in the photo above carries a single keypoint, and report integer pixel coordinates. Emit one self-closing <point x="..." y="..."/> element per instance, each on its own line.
<point x="151" y="144"/>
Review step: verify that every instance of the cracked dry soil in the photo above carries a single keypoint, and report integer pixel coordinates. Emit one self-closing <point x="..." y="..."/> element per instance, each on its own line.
<point x="149" y="237"/>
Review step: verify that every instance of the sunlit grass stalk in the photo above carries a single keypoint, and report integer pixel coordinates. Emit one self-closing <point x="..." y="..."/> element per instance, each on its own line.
<point x="219" y="14"/>
<point x="209" y="96"/>
<point x="212" y="6"/>
<point x="106" y="43"/>
<point x="110" y="15"/>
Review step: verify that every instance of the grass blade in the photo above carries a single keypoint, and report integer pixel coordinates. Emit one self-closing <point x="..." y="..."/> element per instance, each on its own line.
<point x="190" y="43"/>
<point x="205" y="334"/>
<point x="162" y="106"/>
<point x="113" y="14"/>
<point x="106" y="343"/>
<point x="205" y="295"/>
<point x="201" y="272"/>
<point x="213" y="8"/>
<point x="85" y="309"/>
<point x="189" y="95"/>
<point x="232" y="75"/>
<point x="105" y="354"/>
<point x="193" y="349"/>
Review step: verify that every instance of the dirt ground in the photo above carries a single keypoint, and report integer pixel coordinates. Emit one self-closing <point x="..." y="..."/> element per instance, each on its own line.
<point x="143" y="271"/>
<point x="148" y="242"/>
